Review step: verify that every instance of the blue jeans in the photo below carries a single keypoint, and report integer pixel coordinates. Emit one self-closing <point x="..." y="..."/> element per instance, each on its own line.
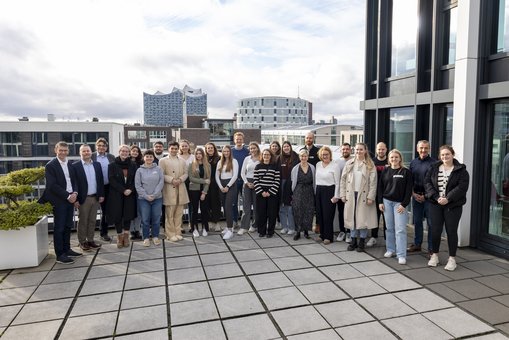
<point x="150" y="216"/>
<point x="62" y="223"/>
<point x="396" y="228"/>
<point x="286" y="217"/>
<point x="362" y="233"/>
<point x="421" y="211"/>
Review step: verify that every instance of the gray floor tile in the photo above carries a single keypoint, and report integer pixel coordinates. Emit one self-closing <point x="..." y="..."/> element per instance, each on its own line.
<point x="258" y="267"/>
<point x="145" y="266"/>
<point x="65" y="275"/>
<point x="185" y="275"/>
<point x="103" y="285"/>
<point x="460" y="273"/>
<point x="498" y="282"/>
<point x="243" y="245"/>
<point x="143" y="297"/>
<point x="41" y="331"/>
<point x="326" y="334"/>
<point x="422" y="300"/>
<point x="309" y="249"/>
<point x="291" y="320"/>
<point x="107" y="258"/>
<point x="425" y="276"/>
<point x="254" y="327"/>
<point x="341" y="272"/>
<point x="365" y="331"/>
<point x="14" y="296"/>
<point x="471" y="289"/>
<point x="337" y="246"/>
<point x="250" y="255"/>
<point x="189" y="291"/>
<point x="46" y="265"/>
<point x="504" y="299"/>
<point x="504" y="328"/>
<point x="305" y="276"/>
<point x="212" y="238"/>
<point x="395" y="282"/>
<point x="144" y="280"/>
<point x="159" y="334"/>
<point x="193" y="311"/>
<point x="42" y="311"/>
<point x="325" y="259"/>
<point x="107" y="270"/>
<point x="8" y="313"/>
<point x="138" y="319"/>
<point x="283" y="298"/>
<point x="239" y="304"/>
<point x="385" y="306"/>
<point x="80" y="327"/>
<point x="229" y="286"/>
<point x="55" y="291"/>
<point x="415" y="327"/>
<point x="492" y="336"/>
<point x="222" y="271"/>
<point x="211" y="248"/>
<point x="219" y="258"/>
<point x="147" y="254"/>
<point x="343" y="313"/>
<point x="484" y="268"/>
<point x="361" y="286"/>
<point x="173" y="250"/>
<point x="470" y="254"/>
<point x="284" y="251"/>
<point x="83" y="261"/>
<point x="22" y="280"/>
<point x="353" y="256"/>
<point x="270" y="242"/>
<point x="94" y="304"/>
<point x="183" y="262"/>
<point x="270" y="281"/>
<point x="373" y="268"/>
<point x="500" y="262"/>
<point x="294" y="262"/>
<point x="200" y="331"/>
<point x="488" y="310"/>
<point x="457" y="322"/>
<point x="446" y="292"/>
<point x="322" y="292"/>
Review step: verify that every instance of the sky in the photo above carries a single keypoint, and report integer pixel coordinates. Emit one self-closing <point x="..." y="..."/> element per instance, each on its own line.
<point x="94" y="58"/>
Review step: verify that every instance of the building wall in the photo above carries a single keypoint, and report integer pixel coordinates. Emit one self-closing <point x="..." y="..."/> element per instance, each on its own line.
<point x="163" y="109"/>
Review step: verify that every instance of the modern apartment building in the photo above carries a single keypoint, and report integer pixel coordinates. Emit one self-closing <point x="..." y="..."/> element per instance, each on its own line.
<point x="439" y="70"/>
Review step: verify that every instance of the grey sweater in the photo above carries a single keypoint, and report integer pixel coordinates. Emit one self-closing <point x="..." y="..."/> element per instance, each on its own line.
<point x="149" y="181"/>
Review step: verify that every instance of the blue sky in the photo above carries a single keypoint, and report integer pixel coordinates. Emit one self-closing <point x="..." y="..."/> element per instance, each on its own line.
<point x="88" y="58"/>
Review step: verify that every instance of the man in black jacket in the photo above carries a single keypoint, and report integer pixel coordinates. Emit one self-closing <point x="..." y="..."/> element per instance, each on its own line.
<point x="309" y="144"/>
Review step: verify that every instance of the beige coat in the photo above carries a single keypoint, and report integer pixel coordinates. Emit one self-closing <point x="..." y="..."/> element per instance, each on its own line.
<point x="365" y="215"/>
<point x="174" y="168"/>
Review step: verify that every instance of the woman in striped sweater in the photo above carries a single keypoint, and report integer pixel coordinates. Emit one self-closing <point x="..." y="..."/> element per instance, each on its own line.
<point x="266" y="185"/>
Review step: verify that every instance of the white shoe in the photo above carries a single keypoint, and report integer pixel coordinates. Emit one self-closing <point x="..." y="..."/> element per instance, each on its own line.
<point x="402" y="260"/>
<point x="371" y="242"/>
<point x="146" y="242"/>
<point x="389" y="254"/>
<point x="156" y="240"/>
<point x="284" y="231"/>
<point x="179" y="237"/>
<point x="224" y="231"/>
<point x="348" y="239"/>
<point x="291" y="232"/>
<point x="241" y="231"/>
<point x="252" y="229"/>
<point x="228" y="235"/>
<point x="204" y="233"/>
<point x="196" y="233"/>
<point x="341" y="236"/>
<point x="434" y="261"/>
<point x="451" y="264"/>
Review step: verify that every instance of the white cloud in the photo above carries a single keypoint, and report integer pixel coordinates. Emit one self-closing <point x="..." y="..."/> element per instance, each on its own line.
<point x="96" y="58"/>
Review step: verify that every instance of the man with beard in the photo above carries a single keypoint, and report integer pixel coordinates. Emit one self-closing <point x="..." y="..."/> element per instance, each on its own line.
<point x="309" y="145"/>
<point x="380" y="161"/>
<point x="346" y="155"/>
<point x="158" y="151"/>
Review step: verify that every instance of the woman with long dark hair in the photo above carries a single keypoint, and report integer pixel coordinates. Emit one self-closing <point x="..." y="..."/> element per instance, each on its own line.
<point x="266" y="185"/>
<point x="213" y="195"/>
<point x="286" y="161"/>
<point x="226" y="176"/>
<point x="199" y="176"/>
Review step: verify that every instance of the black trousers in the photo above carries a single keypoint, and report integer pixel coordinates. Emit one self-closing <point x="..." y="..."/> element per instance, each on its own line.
<point x="194" y="196"/>
<point x="341" y="215"/>
<point x="123" y="226"/>
<point x="325" y="211"/>
<point x="104" y="224"/>
<point x="450" y="217"/>
<point x="266" y="209"/>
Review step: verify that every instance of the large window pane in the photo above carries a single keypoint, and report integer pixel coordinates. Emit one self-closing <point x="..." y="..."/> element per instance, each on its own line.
<point x="401" y="133"/>
<point x="404" y="32"/>
<point x="450" y="48"/>
<point x="448" y="119"/>
<point x="503" y="26"/>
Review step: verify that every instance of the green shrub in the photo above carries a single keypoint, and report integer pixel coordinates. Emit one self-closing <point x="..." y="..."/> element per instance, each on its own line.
<point x="25" y="214"/>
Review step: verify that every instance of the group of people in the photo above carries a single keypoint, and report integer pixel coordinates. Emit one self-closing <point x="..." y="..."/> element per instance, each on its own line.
<point x="135" y="189"/>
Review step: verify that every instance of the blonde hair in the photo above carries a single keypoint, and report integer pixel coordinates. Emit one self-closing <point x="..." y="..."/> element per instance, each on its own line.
<point x="324" y="149"/>
<point x="195" y="165"/>
<point x="396" y="151"/>
<point x="223" y="160"/>
<point x="369" y="162"/>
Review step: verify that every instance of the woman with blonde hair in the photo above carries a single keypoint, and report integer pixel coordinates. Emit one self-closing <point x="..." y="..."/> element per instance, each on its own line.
<point x="358" y="192"/>
<point x="248" y="191"/>
<point x="394" y="194"/>
<point x="226" y="176"/>
<point x="199" y="181"/>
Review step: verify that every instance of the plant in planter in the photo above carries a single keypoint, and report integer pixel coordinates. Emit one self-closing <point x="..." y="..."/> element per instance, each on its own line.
<point x="23" y="224"/>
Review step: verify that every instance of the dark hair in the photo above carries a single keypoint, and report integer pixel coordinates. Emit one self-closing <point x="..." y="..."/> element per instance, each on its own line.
<point x="139" y="159"/>
<point x="346" y="144"/>
<point x="278" y="145"/>
<point x="448" y="147"/>
<point x="159" y="143"/>
<point x="271" y="155"/>
<point x="101" y="140"/>
<point x="215" y="155"/>
<point x="174" y="143"/>
<point x="149" y="152"/>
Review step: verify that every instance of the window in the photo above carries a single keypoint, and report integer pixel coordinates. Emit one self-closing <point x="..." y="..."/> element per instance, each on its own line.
<point x="252" y="110"/>
<point x="10" y="144"/>
<point x="448" y="114"/>
<point x="404" y="33"/>
<point x="136" y="134"/>
<point x="40" y="144"/>
<point x="275" y="119"/>
<point x="262" y="101"/>
<point x="451" y="24"/>
<point x="503" y="26"/>
<point x="275" y="111"/>
<point x="259" y="110"/>
<point x="401" y="127"/>
<point x="157" y="134"/>
<point x="275" y="103"/>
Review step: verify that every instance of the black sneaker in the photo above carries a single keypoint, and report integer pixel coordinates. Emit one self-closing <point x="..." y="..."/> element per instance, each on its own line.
<point x="72" y="253"/>
<point x="106" y="238"/>
<point x="270" y="235"/>
<point x="63" y="259"/>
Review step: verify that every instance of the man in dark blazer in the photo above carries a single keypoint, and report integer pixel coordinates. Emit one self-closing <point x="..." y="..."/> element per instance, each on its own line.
<point x="89" y="177"/>
<point x="61" y="191"/>
<point x="104" y="158"/>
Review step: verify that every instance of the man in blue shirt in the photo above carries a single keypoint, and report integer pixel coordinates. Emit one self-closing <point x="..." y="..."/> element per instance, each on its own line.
<point x="240" y="152"/>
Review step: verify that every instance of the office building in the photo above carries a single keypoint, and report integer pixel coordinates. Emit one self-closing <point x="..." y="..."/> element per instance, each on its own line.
<point x="329" y="134"/>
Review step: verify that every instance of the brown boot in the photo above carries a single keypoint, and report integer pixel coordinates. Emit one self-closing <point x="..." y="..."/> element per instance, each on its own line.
<point x="120" y="240"/>
<point x="126" y="238"/>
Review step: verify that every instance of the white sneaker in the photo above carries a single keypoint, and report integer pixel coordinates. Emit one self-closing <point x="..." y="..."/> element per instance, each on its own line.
<point x="241" y="231"/>
<point x="434" y="261"/>
<point x="196" y="233"/>
<point x="341" y="236"/>
<point x="291" y="232"/>
<point x="204" y="233"/>
<point x="348" y="239"/>
<point x="146" y="242"/>
<point x="284" y="231"/>
<point x="156" y="240"/>
<point x="228" y="235"/>
<point x="389" y="254"/>
<point x="371" y="242"/>
<point x="224" y="231"/>
<point x="402" y="260"/>
<point x="451" y="264"/>
<point x="252" y="229"/>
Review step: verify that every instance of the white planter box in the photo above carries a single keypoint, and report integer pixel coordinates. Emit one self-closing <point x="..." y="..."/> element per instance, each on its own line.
<point x="26" y="247"/>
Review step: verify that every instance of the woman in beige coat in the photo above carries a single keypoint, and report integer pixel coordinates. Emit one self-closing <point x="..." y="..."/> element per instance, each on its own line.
<point x="358" y="192"/>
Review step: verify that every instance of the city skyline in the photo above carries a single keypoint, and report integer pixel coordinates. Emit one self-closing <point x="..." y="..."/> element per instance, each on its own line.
<point x="84" y="59"/>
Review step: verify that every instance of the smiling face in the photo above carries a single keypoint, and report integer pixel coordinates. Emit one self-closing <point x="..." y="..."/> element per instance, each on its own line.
<point x="303" y="157"/>
<point x="123" y="152"/>
<point x="226" y="152"/>
<point x="423" y="150"/>
<point x="381" y="150"/>
<point x="198" y="155"/>
<point x="325" y="155"/>
<point x="184" y="148"/>
<point x="238" y="140"/>
<point x="173" y="149"/>
<point x="253" y="150"/>
<point x="274" y="148"/>
<point x="266" y="156"/>
<point x="101" y="148"/>
<point x="209" y="149"/>
<point x="158" y="149"/>
<point x="395" y="160"/>
<point x="446" y="156"/>
<point x="346" y="151"/>
<point x="287" y="148"/>
<point x="134" y="152"/>
<point x="148" y="159"/>
<point x="360" y="152"/>
<point x="61" y="152"/>
<point x="310" y="139"/>
<point x="85" y="153"/>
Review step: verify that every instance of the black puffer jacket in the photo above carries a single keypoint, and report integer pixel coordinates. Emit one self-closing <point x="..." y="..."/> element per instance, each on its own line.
<point x="457" y="186"/>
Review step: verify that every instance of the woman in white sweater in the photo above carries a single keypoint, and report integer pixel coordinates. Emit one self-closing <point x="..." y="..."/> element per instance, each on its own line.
<point x="248" y="191"/>
<point x="226" y="176"/>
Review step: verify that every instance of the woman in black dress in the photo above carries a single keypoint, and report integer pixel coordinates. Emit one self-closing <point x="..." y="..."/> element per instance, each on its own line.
<point x="303" y="199"/>
<point x="213" y="197"/>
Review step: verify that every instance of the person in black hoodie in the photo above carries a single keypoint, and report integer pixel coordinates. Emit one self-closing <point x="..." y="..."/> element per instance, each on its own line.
<point x="393" y="196"/>
<point x="446" y="187"/>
